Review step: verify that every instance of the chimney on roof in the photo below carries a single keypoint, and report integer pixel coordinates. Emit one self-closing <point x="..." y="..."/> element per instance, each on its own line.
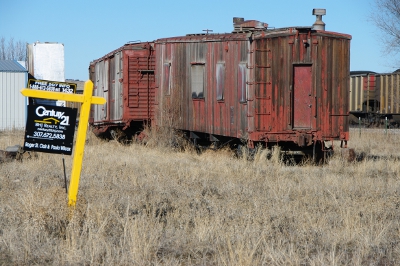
<point x="319" y="24"/>
<point x="237" y="20"/>
<point x="239" y="25"/>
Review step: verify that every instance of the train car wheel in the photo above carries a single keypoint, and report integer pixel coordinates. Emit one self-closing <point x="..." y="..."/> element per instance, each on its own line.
<point x="120" y="136"/>
<point x="320" y="152"/>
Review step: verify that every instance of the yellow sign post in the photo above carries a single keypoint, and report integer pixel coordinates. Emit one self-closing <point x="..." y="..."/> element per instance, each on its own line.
<point x="86" y="99"/>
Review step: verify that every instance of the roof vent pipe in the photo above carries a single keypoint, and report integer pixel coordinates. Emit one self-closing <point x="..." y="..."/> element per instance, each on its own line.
<point x="319" y="24"/>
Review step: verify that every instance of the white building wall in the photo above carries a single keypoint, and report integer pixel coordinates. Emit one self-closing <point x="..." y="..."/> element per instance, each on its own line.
<point x="12" y="102"/>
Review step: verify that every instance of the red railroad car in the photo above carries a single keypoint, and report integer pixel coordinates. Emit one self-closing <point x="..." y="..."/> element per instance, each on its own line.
<point x="286" y="86"/>
<point x="125" y="77"/>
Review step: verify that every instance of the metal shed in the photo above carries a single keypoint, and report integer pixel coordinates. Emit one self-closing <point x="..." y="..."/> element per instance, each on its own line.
<point x="13" y="77"/>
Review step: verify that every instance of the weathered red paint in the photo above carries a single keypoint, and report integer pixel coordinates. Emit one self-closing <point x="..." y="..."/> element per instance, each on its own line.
<point x="125" y="77"/>
<point x="286" y="85"/>
<point x="296" y="85"/>
<point x="302" y="99"/>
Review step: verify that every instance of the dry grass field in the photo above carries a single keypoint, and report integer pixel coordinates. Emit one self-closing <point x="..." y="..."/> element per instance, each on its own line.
<point x="141" y="205"/>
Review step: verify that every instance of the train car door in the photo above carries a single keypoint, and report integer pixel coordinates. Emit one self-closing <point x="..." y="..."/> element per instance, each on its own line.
<point x="140" y="67"/>
<point x="302" y="96"/>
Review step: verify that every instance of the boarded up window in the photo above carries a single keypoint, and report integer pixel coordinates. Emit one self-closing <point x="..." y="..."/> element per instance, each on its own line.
<point x="220" y="81"/>
<point x="197" y="81"/>
<point x="166" y="78"/>
<point x="241" y="82"/>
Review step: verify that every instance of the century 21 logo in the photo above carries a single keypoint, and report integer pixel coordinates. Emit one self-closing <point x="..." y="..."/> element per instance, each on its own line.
<point x="42" y="111"/>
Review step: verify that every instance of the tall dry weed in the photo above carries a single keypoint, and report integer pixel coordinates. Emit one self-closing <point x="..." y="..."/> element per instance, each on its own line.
<point x="141" y="205"/>
<point x="166" y="137"/>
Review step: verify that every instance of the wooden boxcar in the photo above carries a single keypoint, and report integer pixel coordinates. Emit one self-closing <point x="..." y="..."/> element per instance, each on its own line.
<point x="286" y="86"/>
<point x="125" y="77"/>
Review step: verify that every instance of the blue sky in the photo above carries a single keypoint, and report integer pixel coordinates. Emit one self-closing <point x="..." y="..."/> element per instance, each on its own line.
<point x="90" y="29"/>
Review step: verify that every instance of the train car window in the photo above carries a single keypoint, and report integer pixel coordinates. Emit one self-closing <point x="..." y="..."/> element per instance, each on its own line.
<point x="241" y="82"/>
<point x="197" y="80"/>
<point x="166" y="78"/>
<point x="220" y="75"/>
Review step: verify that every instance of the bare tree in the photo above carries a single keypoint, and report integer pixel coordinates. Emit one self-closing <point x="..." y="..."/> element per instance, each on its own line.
<point x="2" y="48"/>
<point x="20" y="51"/>
<point x="13" y="50"/>
<point x="386" y="16"/>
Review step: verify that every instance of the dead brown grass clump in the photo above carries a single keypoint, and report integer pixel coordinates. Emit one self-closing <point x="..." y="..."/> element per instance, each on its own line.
<point x="153" y="206"/>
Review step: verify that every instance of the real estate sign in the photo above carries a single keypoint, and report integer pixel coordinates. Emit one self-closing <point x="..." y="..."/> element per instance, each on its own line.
<point x="50" y="129"/>
<point x="54" y="86"/>
<point x="44" y="114"/>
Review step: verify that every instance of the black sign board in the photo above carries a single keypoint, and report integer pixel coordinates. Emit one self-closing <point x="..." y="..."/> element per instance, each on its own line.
<point x="47" y="85"/>
<point x="50" y="129"/>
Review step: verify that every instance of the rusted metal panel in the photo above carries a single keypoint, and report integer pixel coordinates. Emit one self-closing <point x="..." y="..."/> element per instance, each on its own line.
<point x="125" y="77"/>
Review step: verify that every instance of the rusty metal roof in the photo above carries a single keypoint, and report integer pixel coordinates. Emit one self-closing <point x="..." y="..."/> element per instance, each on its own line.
<point x="244" y="35"/>
<point x="127" y="46"/>
<point x="210" y="37"/>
